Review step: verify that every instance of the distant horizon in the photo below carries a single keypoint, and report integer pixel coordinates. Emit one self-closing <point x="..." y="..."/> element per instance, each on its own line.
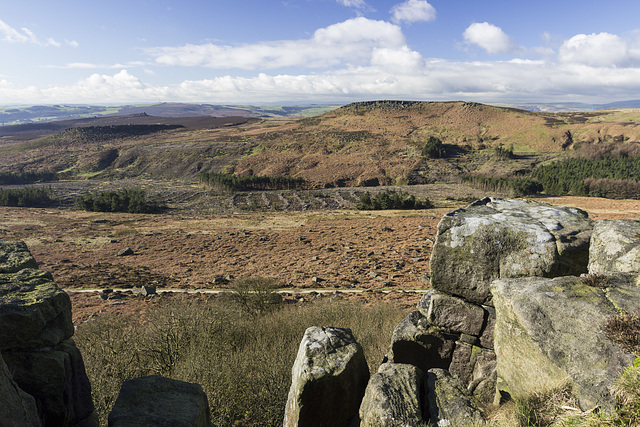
<point x="260" y="52"/>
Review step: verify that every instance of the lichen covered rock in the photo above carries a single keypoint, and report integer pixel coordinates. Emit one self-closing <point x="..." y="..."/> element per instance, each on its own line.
<point x="615" y="246"/>
<point x="549" y="333"/>
<point x="395" y="396"/>
<point x="328" y="381"/>
<point x="449" y="402"/>
<point x="495" y="238"/>
<point x="15" y="256"/>
<point x="34" y="312"/>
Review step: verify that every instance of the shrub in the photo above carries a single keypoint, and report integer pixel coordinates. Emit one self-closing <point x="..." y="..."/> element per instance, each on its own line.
<point x="624" y="328"/>
<point x="132" y="201"/>
<point x="36" y="197"/>
<point x="504" y="153"/>
<point x="434" y="149"/>
<point x="257" y="295"/>
<point x="390" y="199"/>
<point x="596" y="280"/>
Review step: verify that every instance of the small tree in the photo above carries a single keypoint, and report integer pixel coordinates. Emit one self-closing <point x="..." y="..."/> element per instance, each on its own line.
<point x="434" y="149"/>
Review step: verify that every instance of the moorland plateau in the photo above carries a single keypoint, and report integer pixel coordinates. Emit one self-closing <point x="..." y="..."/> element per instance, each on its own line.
<point x="310" y="238"/>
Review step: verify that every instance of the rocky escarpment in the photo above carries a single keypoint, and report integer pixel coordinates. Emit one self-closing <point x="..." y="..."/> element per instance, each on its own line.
<point x="36" y="344"/>
<point x="511" y="313"/>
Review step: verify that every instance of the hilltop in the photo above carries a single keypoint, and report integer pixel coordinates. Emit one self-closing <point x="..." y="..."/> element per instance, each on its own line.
<point x="360" y="144"/>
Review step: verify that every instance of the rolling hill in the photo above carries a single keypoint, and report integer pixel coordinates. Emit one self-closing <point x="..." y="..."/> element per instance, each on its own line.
<point x="360" y="144"/>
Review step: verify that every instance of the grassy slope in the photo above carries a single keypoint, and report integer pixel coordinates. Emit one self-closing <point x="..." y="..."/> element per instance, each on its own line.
<point x="354" y="145"/>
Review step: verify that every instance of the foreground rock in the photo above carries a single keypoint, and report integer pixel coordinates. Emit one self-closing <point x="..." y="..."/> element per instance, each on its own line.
<point x="615" y="246"/>
<point x="549" y="333"/>
<point x="15" y="256"/>
<point x="35" y="332"/>
<point x="159" y="401"/>
<point x="395" y="396"/>
<point x="329" y="378"/>
<point x="18" y="408"/>
<point x="449" y="402"/>
<point x="495" y="238"/>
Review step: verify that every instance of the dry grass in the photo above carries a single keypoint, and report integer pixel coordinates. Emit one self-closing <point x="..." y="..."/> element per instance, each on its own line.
<point x="243" y="362"/>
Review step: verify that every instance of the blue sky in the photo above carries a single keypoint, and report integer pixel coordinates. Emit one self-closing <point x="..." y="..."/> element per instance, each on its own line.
<point x="318" y="51"/>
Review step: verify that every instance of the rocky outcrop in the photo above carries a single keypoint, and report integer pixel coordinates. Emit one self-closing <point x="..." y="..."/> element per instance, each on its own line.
<point x="395" y="396"/>
<point x="18" y="408"/>
<point x="159" y="401"/>
<point x="329" y="378"/>
<point x="549" y="333"/>
<point x="615" y="246"/>
<point x="495" y="238"/>
<point x="35" y="332"/>
<point x="508" y="315"/>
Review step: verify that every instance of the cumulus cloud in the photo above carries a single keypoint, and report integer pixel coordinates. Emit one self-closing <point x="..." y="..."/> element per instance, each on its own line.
<point x="489" y="37"/>
<point x="348" y="42"/>
<point x="400" y="74"/>
<point x="24" y="35"/>
<point x="413" y="11"/>
<point x="358" y="4"/>
<point x="598" y="50"/>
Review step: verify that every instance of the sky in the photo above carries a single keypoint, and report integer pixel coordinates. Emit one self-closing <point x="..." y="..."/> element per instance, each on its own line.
<point x="318" y="51"/>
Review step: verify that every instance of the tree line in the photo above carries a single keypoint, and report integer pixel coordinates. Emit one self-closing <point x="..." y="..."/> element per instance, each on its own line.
<point x="229" y="183"/>
<point x="125" y="200"/>
<point x="614" y="177"/>
<point x="19" y="178"/>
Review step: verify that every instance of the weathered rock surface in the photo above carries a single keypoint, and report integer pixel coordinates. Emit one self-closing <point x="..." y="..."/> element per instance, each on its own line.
<point x="35" y="312"/>
<point x="417" y="342"/>
<point x="455" y="314"/>
<point x="15" y="256"/>
<point x="550" y="332"/>
<point x="449" y="402"/>
<point x="615" y="246"/>
<point x="495" y="238"/>
<point x="329" y="378"/>
<point x="56" y="378"/>
<point x="18" y="409"/>
<point x="159" y="401"/>
<point x="395" y="396"/>
<point x="35" y="332"/>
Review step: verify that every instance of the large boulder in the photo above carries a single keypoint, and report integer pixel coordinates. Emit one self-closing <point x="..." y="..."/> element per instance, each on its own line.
<point x="495" y="238"/>
<point x="15" y="256"/>
<point x="329" y="378"/>
<point x="35" y="332"/>
<point x="449" y="402"/>
<point x="395" y="396"/>
<point x="615" y="246"/>
<point x="160" y="401"/>
<point x="18" y="408"/>
<point x="34" y="311"/>
<point x="56" y="378"/>
<point x="549" y="333"/>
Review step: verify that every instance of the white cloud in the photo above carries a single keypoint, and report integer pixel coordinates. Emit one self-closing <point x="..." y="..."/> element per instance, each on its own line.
<point x="598" y="50"/>
<point x="24" y="35"/>
<point x="489" y="37"/>
<point x="358" y="4"/>
<point x="413" y="11"/>
<point x="91" y="66"/>
<point x="348" y="42"/>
